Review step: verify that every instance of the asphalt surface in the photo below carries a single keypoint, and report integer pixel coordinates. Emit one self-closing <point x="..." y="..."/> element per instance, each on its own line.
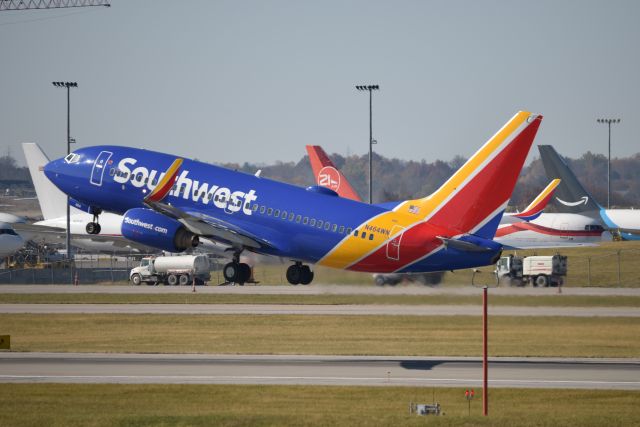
<point x="318" y="289"/>
<point x="301" y="309"/>
<point x="318" y="370"/>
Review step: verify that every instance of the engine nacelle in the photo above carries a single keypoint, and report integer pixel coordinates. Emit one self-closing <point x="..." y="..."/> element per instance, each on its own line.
<point x="156" y="230"/>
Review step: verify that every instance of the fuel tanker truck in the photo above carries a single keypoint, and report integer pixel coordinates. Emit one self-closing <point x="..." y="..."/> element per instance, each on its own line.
<point x="171" y="270"/>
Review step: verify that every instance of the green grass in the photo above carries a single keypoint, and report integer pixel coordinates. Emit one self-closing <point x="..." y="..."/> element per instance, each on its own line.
<point x="240" y="405"/>
<point x="200" y="298"/>
<point x="330" y="335"/>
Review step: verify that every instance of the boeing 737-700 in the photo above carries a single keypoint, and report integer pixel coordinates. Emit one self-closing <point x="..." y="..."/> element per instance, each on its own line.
<point x="169" y="203"/>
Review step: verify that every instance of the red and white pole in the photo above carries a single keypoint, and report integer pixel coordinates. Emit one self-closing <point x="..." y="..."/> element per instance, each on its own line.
<point x="485" y="337"/>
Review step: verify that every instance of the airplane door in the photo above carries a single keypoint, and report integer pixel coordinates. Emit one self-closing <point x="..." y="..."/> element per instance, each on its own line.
<point x="393" y="246"/>
<point x="99" y="166"/>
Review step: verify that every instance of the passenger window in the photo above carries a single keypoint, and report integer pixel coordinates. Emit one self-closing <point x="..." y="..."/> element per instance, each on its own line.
<point x="269" y="211"/>
<point x="312" y="222"/>
<point x="112" y="171"/>
<point x="277" y="213"/>
<point x="254" y="208"/>
<point x="306" y="220"/>
<point x="355" y="233"/>
<point x="298" y="218"/>
<point x="349" y="230"/>
<point x="327" y="226"/>
<point x="262" y="209"/>
<point x="334" y="228"/>
<point x="319" y="223"/>
<point x="363" y="235"/>
<point x="291" y="215"/>
<point x="371" y="236"/>
<point x="341" y="229"/>
<point x="284" y="214"/>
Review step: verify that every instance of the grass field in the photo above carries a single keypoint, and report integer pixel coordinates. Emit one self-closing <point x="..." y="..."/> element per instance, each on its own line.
<point x="231" y="405"/>
<point x="196" y="298"/>
<point x="330" y="335"/>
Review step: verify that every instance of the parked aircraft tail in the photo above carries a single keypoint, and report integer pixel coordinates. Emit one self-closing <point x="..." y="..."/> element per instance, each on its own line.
<point x="328" y="175"/>
<point x="53" y="202"/>
<point x="535" y="208"/>
<point x="570" y="196"/>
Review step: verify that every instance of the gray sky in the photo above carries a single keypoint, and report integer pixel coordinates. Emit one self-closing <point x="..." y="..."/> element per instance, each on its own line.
<point x="235" y="81"/>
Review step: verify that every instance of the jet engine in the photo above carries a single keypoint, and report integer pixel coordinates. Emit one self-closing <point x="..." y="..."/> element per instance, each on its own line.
<point x="153" y="229"/>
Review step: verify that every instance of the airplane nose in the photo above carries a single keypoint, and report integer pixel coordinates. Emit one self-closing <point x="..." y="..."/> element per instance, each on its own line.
<point x="51" y="169"/>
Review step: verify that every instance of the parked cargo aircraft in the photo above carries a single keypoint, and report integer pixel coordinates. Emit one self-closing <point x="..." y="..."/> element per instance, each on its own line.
<point x="451" y="229"/>
<point x="573" y="198"/>
<point x="516" y="230"/>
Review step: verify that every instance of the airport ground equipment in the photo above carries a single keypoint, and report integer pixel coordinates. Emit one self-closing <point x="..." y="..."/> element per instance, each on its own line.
<point x="171" y="270"/>
<point x="539" y="271"/>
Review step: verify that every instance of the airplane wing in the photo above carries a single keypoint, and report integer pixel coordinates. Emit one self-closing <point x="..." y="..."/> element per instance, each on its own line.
<point x="210" y="227"/>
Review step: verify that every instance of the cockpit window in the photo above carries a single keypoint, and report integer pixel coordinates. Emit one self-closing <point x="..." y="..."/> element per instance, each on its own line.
<point x="8" y="231"/>
<point x="72" y="158"/>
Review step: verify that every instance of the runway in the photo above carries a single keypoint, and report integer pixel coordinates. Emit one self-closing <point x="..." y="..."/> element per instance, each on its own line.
<point x="318" y="289"/>
<point x="332" y="310"/>
<point x="318" y="370"/>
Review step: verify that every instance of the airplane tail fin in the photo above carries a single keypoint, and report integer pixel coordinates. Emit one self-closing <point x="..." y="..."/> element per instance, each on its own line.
<point x="473" y="200"/>
<point x="570" y="196"/>
<point x="535" y="208"/>
<point x="53" y="202"/>
<point x="327" y="175"/>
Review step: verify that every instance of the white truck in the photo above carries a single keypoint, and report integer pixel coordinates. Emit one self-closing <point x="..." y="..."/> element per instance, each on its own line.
<point x="540" y="271"/>
<point x="171" y="270"/>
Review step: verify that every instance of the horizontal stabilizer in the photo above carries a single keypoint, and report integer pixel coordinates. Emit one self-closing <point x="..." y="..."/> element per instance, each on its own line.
<point x="461" y="245"/>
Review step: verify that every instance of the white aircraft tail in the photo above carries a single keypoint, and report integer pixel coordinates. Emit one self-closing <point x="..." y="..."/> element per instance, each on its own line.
<point x="53" y="202"/>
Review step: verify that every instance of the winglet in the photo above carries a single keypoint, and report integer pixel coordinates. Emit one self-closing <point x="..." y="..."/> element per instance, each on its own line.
<point x="166" y="183"/>
<point x="327" y="175"/>
<point x="535" y="208"/>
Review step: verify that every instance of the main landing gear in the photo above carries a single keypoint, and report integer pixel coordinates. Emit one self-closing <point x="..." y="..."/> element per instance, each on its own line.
<point x="236" y="271"/>
<point x="93" y="227"/>
<point x="299" y="273"/>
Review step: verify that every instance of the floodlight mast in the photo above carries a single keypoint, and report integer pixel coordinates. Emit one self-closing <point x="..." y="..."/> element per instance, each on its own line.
<point x="370" y="89"/>
<point x="68" y="86"/>
<point x="609" y="122"/>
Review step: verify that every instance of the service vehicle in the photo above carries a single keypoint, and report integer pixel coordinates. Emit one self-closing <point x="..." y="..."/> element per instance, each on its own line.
<point x="537" y="270"/>
<point x="171" y="270"/>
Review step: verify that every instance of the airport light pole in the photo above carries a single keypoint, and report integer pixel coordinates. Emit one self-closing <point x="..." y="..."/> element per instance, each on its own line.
<point x="372" y="141"/>
<point x="68" y="86"/>
<point x="608" y="122"/>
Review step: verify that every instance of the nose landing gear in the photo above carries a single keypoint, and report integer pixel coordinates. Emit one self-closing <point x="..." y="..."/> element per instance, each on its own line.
<point x="94" y="227"/>
<point x="299" y="273"/>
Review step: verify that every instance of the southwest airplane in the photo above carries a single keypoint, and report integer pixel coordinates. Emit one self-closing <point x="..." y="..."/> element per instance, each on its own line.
<point x="574" y="200"/>
<point x="516" y="230"/>
<point x="451" y="229"/>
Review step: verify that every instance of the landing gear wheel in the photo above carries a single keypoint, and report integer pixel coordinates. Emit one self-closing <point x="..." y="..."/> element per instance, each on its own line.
<point x="306" y="276"/>
<point x="231" y="272"/>
<point x="183" y="280"/>
<point x="93" y="228"/>
<point x="172" y="280"/>
<point x="244" y="273"/>
<point x="294" y="274"/>
<point x="136" y="279"/>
